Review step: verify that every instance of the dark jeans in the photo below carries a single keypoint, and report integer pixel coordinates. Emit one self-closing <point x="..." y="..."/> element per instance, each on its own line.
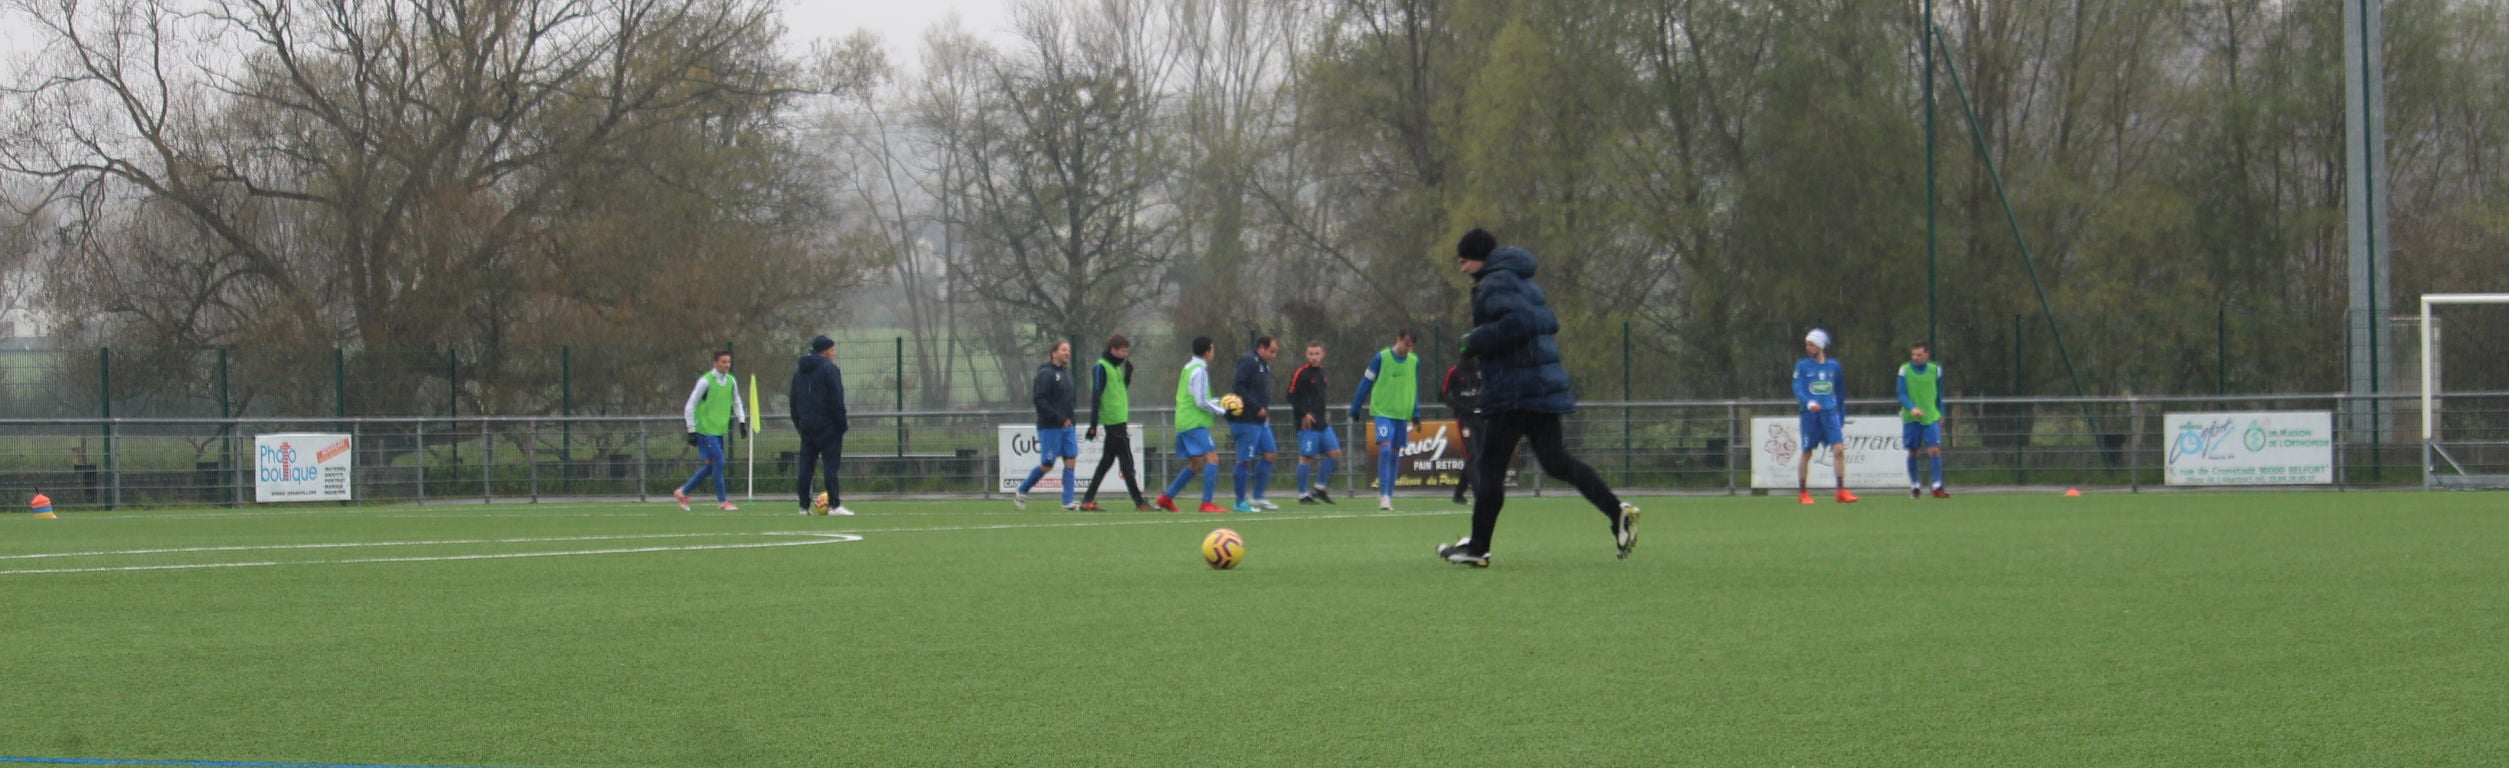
<point x="1119" y="454"/>
<point x="824" y="457"/>
<point x="1550" y="448"/>
<point x="1478" y="435"/>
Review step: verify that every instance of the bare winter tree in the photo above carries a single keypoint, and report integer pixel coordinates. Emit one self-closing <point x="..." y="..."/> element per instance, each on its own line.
<point x="420" y="173"/>
<point x="1068" y="230"/>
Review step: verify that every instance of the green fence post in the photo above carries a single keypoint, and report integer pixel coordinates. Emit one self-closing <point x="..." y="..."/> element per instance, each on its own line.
<point x="2020" y="456"/>
<point x="339" y="386"/>
<point x="1437" y="337"/>
<point x="226" y="429"/>
<point x="104" y="399"/>
<point x="901" y="396"/>
<point x="566" y="407"/>
<point x="339" y="397"/>
<point x="1625" y="398"/>
<point x="453" y="398"/>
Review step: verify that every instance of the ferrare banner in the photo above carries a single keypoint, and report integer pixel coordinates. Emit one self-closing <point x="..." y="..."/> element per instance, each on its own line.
<point x="1434" y="458"/>
<point x="1876" y="457"/>
<point x="2253" y="448"/>
<point x="1017" y="447"/>
<point x="301" y="467"/>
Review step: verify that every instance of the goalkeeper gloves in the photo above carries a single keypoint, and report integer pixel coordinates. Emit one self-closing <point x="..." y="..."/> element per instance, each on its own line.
<point x="692" y="439"/>
<point x="744" y="429"/>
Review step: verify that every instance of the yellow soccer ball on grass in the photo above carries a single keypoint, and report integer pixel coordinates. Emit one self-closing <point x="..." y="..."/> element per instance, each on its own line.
<point x="1223" y="549"/>
<point x="819" y="505"/>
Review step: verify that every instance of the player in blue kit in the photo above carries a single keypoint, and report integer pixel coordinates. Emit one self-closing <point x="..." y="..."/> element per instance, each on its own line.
<point x="1820" y="395"/>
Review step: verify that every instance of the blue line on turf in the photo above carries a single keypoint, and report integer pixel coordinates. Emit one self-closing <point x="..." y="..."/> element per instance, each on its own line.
<point x="195" y="763"/>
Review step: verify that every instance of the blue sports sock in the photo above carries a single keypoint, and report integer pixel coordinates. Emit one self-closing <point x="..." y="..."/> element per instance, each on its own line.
<point x="1325" y="477"/>
<point x="1385" y="469"/>
<point x="1210" y="482"/>
<point x="1263" y="477"/>
<point x="1937" y="461"/>
<point x="1183" y="476"/>
<point x="1304" y="472"/>
<point x="1069" y="480"/>
<point x="1238" y="481"/>
<point x="1912" y="471"/>
<point x="1034" y="475"/>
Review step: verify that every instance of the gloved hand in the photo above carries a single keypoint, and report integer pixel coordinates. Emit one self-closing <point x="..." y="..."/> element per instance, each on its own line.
<point x="692" y="439"/>
<point x="1358" y="415"/>
<point x="744" y="430"/>
<point x="1093" y="433"/>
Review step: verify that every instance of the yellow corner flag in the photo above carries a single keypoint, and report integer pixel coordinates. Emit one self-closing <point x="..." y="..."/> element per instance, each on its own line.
<point x="755" y="424"/>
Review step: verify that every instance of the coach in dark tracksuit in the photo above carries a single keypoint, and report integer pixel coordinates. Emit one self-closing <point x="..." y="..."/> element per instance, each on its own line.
<point x="818" y="402"/>
<point x="1461" y="391"/>
<point x="1524" y="392"/>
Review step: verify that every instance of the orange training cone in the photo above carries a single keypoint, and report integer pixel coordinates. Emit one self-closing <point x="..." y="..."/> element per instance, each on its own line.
<point x="2073" y="492"/>
<point x="43" y="508"/>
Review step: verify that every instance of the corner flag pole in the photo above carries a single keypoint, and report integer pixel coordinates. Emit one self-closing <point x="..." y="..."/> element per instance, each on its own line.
<point x="755" y="426"/>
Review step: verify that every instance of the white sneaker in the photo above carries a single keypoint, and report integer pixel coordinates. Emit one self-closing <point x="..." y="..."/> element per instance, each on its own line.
<point x="1625" y="530"/>
<point x="727" y="507"/>
<point x="1072" y="507"/>
<point x="1267" y="505"/>
<point x="805" y="511"/>
<point x="841" y="511"/>
<point x="1020" y="500"/>
<point x="1385" y="503"/>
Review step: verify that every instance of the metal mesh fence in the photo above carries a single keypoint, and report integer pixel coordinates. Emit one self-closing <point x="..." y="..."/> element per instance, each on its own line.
<point x="1695" y="446"/>
<point x="2200" y="351"/>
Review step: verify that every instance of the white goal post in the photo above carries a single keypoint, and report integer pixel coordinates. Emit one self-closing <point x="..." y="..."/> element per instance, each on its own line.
<point x="2430" y="424"/>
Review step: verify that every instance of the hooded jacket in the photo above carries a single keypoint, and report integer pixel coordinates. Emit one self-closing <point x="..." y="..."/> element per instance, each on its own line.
<point x="818" y="399"/>
<point x="1513" y="340"/>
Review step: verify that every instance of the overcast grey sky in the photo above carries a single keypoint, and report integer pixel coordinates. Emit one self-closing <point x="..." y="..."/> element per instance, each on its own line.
<point x="900" y="23"/>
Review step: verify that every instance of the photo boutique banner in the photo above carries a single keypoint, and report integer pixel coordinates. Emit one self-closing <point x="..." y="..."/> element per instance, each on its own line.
<point x="1875" y="456"/>
<point x="301" y="467"/>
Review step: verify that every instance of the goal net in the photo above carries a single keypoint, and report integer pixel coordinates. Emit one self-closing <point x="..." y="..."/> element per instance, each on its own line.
<point x="2464" y="411"/>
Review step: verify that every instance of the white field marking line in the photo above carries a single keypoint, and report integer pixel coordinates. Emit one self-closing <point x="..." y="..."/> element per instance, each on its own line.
<point x="809" y="538"/>
<point x="1177" y="520"/>
<point x="350" y="544"/>
<point x="459" y="511"/>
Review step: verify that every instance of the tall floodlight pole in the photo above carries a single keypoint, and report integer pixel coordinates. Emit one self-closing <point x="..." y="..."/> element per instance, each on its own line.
<point x="2365" y="205"/>
<point x="1925" y="31"/>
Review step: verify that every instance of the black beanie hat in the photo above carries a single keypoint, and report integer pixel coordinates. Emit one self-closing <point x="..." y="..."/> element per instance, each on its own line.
<point x="1476" y="245"/>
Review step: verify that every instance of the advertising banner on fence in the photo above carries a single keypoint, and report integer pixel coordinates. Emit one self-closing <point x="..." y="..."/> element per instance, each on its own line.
<point x="1434" y="458"/>
<point x="2250" y="448"/>
<point x="1875" y="456"/>
<point x="301" y="467"/>
<point x="1017" y="449"/>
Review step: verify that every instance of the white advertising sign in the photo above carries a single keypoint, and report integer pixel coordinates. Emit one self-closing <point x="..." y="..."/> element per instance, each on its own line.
<point x="2250" y="448"/>
<point x="1017" y="448"/>
<point x="301" y="467"/>
<point x="1875" y="457"/>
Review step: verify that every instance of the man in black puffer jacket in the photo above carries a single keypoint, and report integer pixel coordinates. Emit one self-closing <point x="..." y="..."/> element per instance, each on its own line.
<point x="1524" y="392"/>
<point x="818" y="402"/>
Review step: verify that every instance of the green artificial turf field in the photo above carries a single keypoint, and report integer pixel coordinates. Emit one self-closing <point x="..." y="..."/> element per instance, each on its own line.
<point x="2221" y="629"/>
